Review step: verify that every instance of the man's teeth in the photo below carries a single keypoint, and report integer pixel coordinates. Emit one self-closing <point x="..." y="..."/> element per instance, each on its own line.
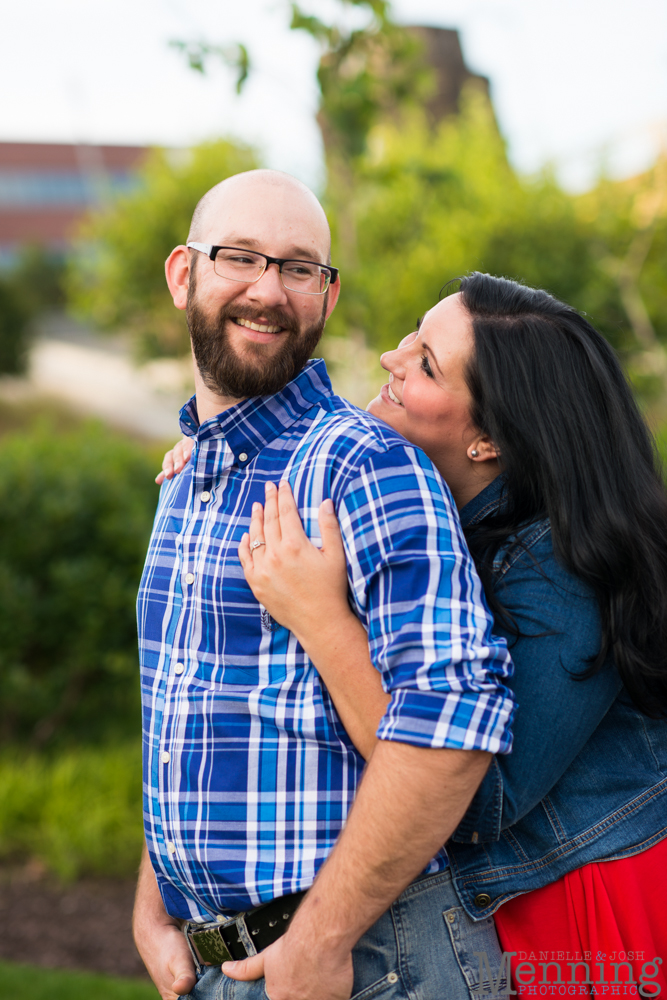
<point x="258" y="326"/>
<point x="393" y="396"/>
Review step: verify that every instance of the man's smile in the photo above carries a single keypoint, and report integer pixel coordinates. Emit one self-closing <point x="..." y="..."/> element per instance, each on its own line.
<point x="258" y="327"/>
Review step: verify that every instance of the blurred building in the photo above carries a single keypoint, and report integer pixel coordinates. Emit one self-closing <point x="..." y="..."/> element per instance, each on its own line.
<point x="46" y="187"/>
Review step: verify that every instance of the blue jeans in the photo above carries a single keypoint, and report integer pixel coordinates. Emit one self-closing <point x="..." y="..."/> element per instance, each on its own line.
<point x="425" y="947"/>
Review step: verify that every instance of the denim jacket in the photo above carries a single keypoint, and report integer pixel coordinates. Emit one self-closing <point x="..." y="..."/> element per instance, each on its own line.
<point x="587" y="776"/>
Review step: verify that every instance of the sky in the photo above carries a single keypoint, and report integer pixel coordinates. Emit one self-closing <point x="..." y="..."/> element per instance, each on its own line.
<point x="579" y="84"/>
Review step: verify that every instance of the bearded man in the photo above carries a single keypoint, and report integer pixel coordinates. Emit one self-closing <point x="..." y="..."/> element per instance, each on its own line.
<point x="249" y="776"/>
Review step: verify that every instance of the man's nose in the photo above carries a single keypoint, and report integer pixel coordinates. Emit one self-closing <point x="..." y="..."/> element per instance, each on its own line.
<point x="269" y="289"/>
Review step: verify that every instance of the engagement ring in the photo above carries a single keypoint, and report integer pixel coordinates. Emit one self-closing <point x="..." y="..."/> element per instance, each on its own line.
<point x="256" y="544"/>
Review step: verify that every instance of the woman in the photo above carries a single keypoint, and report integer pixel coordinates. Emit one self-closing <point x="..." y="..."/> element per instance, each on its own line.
<point x="524" y="410"/>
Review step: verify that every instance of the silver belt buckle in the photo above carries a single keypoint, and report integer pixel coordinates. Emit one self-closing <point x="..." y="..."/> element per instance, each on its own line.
<point x="210" y="946"/>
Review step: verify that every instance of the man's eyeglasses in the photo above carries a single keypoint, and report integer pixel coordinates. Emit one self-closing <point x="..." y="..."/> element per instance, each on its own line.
<point x="245" y="265"/>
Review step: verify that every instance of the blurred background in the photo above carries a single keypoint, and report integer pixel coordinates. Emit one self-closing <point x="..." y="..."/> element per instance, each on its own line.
<point x="518" y="137"/>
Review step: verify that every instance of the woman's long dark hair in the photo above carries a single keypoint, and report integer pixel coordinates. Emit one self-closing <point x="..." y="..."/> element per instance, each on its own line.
<point x="550" y="392"/>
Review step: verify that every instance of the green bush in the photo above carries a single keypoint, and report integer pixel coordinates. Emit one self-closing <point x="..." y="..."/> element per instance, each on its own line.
<point x="14" y="323"/>
<point x="75" y="517"/>
<point x="38" y="278"/>
<point x="79" y="812"/>
<point x="26" y="982"/>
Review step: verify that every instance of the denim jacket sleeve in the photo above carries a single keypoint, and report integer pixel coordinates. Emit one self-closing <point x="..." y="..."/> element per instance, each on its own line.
<point x="557" y="710"/>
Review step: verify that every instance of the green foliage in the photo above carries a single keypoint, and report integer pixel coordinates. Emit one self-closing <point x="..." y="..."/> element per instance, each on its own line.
<point x="116" y="276"/>
<point x="31" y="287"/>
<point x="29" y="982"/>
<point x="78" y="812"/>
<point x="363" y="74"/>
<point x="38" y="278"/>
<point x="75" y="516"/>
<point x="430" y="204"/>
<point x="14" y="325"/>
<point x="235" y="56"/>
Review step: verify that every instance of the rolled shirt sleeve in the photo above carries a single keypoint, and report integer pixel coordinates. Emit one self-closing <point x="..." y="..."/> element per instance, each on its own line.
<point x="416" y="589"/>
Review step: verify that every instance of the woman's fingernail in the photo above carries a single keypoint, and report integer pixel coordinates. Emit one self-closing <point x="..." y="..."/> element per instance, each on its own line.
<point x="284" y="482"/>
<point x="328" y="507"/>
<point x="256" y="507"/>
<point x="270" y="487"/>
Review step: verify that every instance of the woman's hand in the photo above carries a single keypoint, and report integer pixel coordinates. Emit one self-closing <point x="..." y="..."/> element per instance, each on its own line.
<point x="301" y="586"/>
<point x="175" y="460"/>
<point x="305" y="589"/>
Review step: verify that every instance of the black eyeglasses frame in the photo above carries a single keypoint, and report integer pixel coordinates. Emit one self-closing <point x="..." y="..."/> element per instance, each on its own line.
<point x="211" y="252"/>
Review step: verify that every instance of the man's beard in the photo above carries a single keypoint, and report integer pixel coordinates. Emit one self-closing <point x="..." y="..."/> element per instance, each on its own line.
<point x="260" y="369"/>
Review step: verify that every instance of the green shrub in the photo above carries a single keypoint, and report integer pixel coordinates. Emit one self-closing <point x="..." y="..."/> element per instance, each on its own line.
<point x="75" y="517"/>
<point x="25" y="982"/>
<point x="14" y="323"/>
<point x="79" y="812"/>
<point x="38" y="278"/>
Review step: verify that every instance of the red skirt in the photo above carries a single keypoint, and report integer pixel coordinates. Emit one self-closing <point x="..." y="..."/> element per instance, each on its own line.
<point x="600" y="930"/>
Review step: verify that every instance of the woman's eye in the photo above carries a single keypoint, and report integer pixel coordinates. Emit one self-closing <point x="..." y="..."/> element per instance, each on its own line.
<point x="426" y="366"/>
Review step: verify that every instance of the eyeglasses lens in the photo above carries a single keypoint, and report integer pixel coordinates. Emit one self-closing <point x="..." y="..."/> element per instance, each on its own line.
<point x="297" y="275"/>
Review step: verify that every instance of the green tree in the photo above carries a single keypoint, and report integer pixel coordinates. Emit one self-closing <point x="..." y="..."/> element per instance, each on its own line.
<point x="116" y="275"/>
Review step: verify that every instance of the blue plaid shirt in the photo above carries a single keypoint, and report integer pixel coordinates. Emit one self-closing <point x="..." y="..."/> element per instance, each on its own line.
<point x="248" y="772"/>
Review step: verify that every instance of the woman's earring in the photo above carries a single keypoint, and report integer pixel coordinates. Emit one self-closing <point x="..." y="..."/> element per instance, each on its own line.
<point x="474" y="453"/>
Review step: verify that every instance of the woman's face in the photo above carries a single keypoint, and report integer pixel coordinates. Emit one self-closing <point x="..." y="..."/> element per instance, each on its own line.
<point x="428" y="402"/>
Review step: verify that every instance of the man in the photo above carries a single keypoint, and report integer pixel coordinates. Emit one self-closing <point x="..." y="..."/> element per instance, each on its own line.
<point x="249" y="776"/>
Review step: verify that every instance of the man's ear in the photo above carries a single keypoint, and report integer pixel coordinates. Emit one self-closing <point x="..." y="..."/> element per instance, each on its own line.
<point x="334" y="292"/>
<point x="177" y="271"/>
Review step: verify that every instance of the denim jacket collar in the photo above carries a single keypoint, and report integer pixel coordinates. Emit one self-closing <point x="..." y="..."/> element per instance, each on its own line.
<point x="485" y="503"/>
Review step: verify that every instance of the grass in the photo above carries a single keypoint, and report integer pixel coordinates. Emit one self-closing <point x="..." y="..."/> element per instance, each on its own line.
<point x="78" y="812"/>
<point x="28" y="982"/>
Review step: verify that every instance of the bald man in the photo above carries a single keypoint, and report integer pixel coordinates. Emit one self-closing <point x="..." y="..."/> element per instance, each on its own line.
<point x="249" y="776"/>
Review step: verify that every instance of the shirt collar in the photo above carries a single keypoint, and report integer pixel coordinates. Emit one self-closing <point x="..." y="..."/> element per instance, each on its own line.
<point x="253" y="423"/>
<point x="485" y="503"/>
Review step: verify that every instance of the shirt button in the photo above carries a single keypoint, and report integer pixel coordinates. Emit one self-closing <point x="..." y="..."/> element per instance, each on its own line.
<point x="171" y="848"/>
<point x="165" y="757"/>
<point x="189" y="578"/>
<point x="243" y="457"/>
<point x="179" y="668"/>
<point x="206" y="496"/>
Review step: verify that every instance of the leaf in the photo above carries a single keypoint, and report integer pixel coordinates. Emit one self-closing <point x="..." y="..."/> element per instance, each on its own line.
<point x="235" y="56"/>
<point x="306" y="22"/>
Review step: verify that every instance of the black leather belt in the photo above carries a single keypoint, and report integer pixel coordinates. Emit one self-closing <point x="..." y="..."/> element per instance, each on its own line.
<point x="218" y="943"/>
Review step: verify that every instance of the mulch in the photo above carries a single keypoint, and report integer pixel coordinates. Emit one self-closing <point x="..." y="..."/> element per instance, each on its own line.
<point x="84" y="925"/>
